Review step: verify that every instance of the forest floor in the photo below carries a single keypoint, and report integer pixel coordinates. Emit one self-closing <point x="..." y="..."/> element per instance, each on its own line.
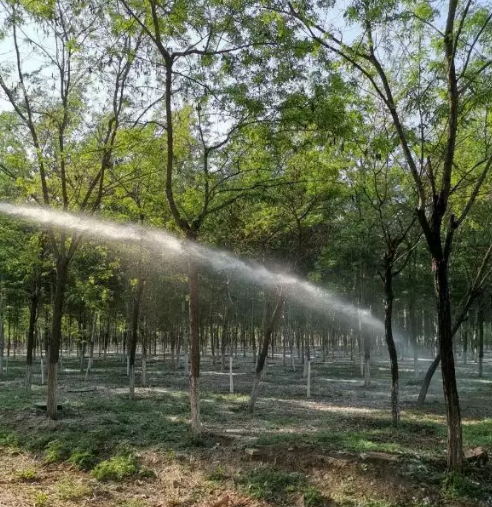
<point x="335" y="449"/>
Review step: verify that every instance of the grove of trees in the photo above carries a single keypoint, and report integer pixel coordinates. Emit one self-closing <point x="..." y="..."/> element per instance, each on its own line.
<point x="349" y="143"/>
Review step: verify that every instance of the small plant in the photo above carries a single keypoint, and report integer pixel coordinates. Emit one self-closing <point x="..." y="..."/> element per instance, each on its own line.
<point x="26" y="474"/>
<point x="170" y="454"/>
<point x="132" y="502"/>
<point x="116" y="468"/>
<point x="56" y="452"/>
<point x="41" y="500"/>
<point x="455" y="486"/>
<point x="8" y="439"/>
<point x="217" y="475"/>
<point x="68" y="489"/>
<point x="269" y="484"/>
<point x="83" y="460"/>
<point x="313" y="497"/>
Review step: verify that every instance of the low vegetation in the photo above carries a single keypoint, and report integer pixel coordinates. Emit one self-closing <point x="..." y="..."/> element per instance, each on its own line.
<point x="337" y="449"/>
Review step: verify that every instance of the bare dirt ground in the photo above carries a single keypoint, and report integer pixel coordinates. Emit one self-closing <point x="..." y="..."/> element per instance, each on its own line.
<point x="336" y="448"/>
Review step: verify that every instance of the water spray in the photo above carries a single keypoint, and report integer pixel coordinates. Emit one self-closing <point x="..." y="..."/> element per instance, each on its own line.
<point x="163" y="243"/>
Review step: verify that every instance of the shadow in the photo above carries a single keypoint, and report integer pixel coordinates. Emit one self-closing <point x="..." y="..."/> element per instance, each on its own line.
<point x="340" y="439"/>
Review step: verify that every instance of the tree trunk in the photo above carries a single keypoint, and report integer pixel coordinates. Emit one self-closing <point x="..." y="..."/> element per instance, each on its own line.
<point x="132" y="345"/>
<point x="144" y="362"/>
<point x="2" y="329"/>
<point x="225" y="338"/>
<point x="465" y="344"/>
<point x="413" y="330"/>
<point x="480" y="340"/>
<point x="269" y="328"/>
<point x="388" y="335"/>
<point x="91" y="348"/>
<point x="33" y="315"/>
<point x="194" y="350"/>
<point x="427" y="380"/>
<point x="453" y="414"/>
<point x="367" y="359"/>
<point x="62" y="264"/>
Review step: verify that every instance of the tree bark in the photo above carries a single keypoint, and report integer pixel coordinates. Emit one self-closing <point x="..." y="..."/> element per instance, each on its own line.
<point x="269" y="328"/>
<point x="427" y="380"/>
<point x="465" y="344"/>
<point x="413" y="321"/>
<point x="388" y="335"/>
<point x="194" y="350"/>
<point x="33" y="315"/>
<point x="480" y="340"/>
<point x="132" y="346"/>
<point x="453" y="413"/>
<point x="61" y="276"/>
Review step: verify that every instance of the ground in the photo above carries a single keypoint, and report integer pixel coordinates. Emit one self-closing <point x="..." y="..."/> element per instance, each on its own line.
<point x="335" y="449"/>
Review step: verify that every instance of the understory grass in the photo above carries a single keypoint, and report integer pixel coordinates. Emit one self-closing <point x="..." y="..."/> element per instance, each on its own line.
<point x="102" y="433"/>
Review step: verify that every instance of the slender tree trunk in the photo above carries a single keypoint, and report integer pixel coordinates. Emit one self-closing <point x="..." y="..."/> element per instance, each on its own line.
<point x="390" y="342"/>
<point x="269" y="328"/>
<point x="2" y="330"/>
<point x="367" y="358"/>
<point x="453" y="413"/>
<point x="413" y="330"/>
<point x="225" y="338"/>
<point x="144" y="362"/>
<point x="33" y="315"/>
<point x="91" y="348"/>
<point x="465" y="344"/>
<point x="427" y="380"/>
<point x="55" y="338"/>
<point x="480" y="339"/>
<point x="132" y="345"/>
<point x="194" y="350"/>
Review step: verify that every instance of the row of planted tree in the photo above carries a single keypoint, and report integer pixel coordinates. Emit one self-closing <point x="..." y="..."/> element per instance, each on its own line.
<point x="100" y="319"/>
<point x="259" y="127"/>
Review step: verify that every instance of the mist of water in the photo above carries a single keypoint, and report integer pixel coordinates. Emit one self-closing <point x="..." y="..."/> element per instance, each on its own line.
<point x="167" y="246"/>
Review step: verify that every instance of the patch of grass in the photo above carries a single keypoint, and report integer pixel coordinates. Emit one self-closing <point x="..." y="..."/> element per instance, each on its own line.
<point x="131" y="502"/>
<point x="120" y="467"/>
<point x="26" y="474"/>
<point x="279" y="438"/>
<point x="356" y="441"/>
<point x="56" y="452"/>
<point x="8" y="438"/>
<point x="217" y="475"/>
<point x="313" y="497"/>
<point x="83" y="460"/>
<point x="117" y="468"/>
<point x="266" y="483"/>
<point x="478" y="433"/>
<point x="41" y="500"/>
<point x="14" y="399"/>
<point x="68" y="489"/>
<point x="366" y="503"/>
<point x="456" y="486"/>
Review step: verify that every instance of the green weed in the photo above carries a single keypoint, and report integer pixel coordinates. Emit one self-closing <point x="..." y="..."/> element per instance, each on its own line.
<point x="456" y="486"/>
<point x="116" y="468"/>
<point x="56" y="452"/>
<point x="119" y="468"/>
<point x="41" y="500"/>
<point x="68" y="489"/>
<point x="83" y="460"/>
<point x="266" y="483"/>
<point x="217" y="475"/>
<point x="131" y="502"/>
<point x="313" y="497"/>
<point x="26" y="474"/>
<point x="478" y="433"/>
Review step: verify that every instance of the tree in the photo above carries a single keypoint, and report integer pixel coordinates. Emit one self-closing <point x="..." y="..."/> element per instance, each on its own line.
<point x="52" y="119"/>
<point x="429" y="158"/>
